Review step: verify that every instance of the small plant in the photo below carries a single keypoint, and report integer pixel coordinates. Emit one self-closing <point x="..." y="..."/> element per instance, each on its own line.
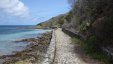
<point x="76" y="40"/>
<point x="83" y="27"/>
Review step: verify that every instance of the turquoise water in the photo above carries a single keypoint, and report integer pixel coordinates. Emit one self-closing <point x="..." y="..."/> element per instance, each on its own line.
<point x="8" y="34"/>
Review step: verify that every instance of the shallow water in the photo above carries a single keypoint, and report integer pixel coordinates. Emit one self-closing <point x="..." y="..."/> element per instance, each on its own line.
<point x="8" y="34"/>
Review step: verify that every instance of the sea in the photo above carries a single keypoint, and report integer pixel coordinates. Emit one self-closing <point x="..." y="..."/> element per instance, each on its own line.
<point x="11" y="33"/>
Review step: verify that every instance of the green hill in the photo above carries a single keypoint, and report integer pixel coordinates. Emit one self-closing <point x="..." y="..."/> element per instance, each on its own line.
<point x="53" y="22"/>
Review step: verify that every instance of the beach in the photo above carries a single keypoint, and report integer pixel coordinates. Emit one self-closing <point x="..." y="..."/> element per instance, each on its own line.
<point x="16" y="39"/>
<point x="34" y="53"/>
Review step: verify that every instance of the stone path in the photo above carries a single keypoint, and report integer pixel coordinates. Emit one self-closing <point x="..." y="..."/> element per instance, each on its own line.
<point x="65" y="50"/>
<point x="68" y="53"/>
<point x="62" y="51"/>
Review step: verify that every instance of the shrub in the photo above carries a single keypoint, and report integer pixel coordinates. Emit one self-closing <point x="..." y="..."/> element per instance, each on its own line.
<point x="91" y="49"/>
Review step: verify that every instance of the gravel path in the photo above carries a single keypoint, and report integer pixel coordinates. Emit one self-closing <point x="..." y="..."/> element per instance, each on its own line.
<point x="65" y="50"/>
<point x="62" y="51"/>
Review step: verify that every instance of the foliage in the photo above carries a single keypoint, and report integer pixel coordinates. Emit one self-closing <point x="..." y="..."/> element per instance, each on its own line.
<point x="90" y="49"/>
<point x="83" y="27"/>
<point x="61" y="20"/>
<point x="68" y="16"/>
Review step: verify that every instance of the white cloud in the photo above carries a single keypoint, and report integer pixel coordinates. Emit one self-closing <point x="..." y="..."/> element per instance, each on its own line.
<point x="14" y="7"/>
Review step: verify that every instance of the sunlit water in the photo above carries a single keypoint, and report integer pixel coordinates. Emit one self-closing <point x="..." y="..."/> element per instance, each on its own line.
<point x="8" y="34"/>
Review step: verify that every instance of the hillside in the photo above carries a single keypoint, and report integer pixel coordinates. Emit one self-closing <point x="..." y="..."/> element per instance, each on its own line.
<point x="53" y="22"/>
<point x="91" y="21"/>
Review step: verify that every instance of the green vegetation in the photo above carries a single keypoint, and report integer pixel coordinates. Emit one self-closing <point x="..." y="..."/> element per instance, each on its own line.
<point x="83" y="27"/>
<point x="68" y="17"/>
<point x="61" y="20"/>
<point x="40" y="24"/>
<point x="94" y="20"/>
<point x="57" y="21"/>
<point x="90" y="49"/>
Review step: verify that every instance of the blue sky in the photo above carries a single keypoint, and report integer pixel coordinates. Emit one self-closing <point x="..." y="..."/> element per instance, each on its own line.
<point x="30" y="12"/>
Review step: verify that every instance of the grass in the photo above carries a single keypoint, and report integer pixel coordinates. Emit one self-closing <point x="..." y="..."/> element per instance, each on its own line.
<point x="91" y="50"/>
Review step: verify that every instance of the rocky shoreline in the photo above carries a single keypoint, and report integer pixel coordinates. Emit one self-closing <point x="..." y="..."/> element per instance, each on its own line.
<point x="33" y="54"/>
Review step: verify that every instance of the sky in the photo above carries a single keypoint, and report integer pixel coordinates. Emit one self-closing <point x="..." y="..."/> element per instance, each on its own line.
<point x="30" y="12"/>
